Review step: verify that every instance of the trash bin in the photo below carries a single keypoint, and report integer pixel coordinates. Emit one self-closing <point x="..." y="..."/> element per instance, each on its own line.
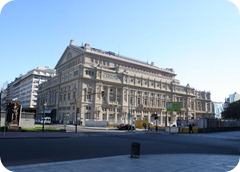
<point x="135" y="150"/>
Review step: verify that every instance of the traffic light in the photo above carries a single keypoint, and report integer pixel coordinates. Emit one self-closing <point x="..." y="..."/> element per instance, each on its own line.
<point x="155" y="116"/>
<point x="103" y="93"/>
<point x="77" y="110"/>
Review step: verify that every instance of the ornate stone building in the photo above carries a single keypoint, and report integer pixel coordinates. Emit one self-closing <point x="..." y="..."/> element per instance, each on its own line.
<point x="132" y="88"/>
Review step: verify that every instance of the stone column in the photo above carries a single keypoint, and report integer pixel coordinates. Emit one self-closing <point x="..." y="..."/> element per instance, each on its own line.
<point x="115" y="94"/>
<point x="108" y="93"/>
<point x="107" y="115"/>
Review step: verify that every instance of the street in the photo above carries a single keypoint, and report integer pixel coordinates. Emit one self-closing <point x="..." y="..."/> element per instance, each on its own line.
<point x="103" y="144"/>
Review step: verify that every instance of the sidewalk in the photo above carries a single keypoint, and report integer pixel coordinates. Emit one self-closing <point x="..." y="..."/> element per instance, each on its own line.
<point x="146" y="163"/>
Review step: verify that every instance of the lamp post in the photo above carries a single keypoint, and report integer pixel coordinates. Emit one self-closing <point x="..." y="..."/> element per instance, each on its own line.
<point x="76" y="117"/>
<point x="43" y="119"/>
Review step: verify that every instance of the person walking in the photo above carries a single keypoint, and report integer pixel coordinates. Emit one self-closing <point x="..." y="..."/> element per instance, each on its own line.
<point x="144" y="126"/>
<point x="190" y="128"/>
<point x="149" y="127"/>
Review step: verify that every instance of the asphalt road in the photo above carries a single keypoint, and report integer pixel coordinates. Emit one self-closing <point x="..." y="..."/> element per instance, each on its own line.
<point x="93" y="145"/>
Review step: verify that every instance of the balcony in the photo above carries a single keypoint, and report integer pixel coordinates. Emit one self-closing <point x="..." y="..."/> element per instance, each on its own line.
<point x="112" y="103"/>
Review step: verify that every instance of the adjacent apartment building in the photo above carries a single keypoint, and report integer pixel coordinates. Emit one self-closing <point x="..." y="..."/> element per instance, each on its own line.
<point x="132" y="89"/>
<point x="232" y="98"/>
<point x="25" y="87"/>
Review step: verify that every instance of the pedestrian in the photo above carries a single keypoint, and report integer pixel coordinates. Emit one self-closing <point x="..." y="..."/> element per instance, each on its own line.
<point x="144" y="126"/>
<point x="149" y="127"/>
<point x="190" y="128"/>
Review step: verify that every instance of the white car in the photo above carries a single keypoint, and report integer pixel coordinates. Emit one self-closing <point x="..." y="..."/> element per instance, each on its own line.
<point x="47" y="120"/>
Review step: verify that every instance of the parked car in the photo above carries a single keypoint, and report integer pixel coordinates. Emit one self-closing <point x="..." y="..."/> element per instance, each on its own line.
<point x="37" y="121"/>
<point x="47" y="120"/>
<point x="125" y="127"/>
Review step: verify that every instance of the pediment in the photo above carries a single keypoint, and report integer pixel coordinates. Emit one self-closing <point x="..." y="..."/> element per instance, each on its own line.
<point x="69" y="53"/>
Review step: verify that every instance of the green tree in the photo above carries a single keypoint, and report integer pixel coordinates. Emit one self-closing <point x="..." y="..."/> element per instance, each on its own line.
<point x="232" y="111"/>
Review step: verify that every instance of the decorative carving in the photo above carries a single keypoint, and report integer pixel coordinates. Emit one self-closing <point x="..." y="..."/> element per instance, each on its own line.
<point x="110" y="76"/>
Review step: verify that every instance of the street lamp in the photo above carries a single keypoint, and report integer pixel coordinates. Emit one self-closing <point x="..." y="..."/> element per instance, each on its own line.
<point x="43" y="119"/>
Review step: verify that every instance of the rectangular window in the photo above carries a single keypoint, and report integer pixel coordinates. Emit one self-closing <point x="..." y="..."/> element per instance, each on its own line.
<point x="145" y="101"/>
<point x="75" y="73"/>
<point x="138" y="101"/>
<point x="88" y="107"/>
<point x="74" y="95"/>
<point x="90" y="73"/>
<point x="131" y="100"/>
<point x="69" y="96"/>
<point x="89" y="96"/>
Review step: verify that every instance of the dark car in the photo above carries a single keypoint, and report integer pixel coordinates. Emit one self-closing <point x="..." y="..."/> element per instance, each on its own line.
<point x="125" y="127"/>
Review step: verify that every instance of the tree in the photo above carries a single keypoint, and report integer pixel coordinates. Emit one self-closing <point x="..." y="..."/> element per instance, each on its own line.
<point x="232" y="111"/>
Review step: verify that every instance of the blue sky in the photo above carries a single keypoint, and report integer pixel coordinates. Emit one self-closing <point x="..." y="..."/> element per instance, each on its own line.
<point x="198" y="38"/>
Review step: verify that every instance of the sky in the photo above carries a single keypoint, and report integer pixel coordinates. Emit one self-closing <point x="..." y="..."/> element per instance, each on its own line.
<point x="199" y="39"/>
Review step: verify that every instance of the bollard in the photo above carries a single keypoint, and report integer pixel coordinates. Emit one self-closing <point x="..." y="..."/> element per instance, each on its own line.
<point x="135" y="150"/>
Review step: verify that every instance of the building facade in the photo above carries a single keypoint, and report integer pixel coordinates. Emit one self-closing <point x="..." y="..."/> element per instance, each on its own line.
<point x="25" y="87"/>
<point x="132" y="89"/>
